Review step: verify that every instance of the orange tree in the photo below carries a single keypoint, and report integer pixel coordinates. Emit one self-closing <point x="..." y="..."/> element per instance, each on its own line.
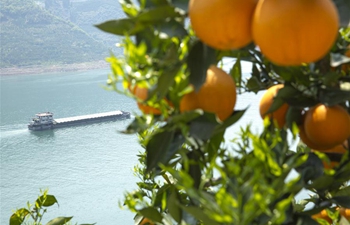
<point x="188" y="172"/>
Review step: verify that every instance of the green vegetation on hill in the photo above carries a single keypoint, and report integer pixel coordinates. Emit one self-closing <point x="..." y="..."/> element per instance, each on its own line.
<point x="31" y="35"/>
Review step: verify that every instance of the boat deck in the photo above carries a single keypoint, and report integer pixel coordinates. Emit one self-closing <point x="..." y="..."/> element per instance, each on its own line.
<point x="90" y="116"/>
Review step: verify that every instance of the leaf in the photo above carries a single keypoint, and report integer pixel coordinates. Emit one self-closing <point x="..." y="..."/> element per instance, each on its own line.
<point x="156" y="15"/>
<point x="157" y="148"/>
<point x="306" y="220"/>
<point x="199" y="214"/>
<point x="343" y="201"/>
<point x="229" y="121"/>
<point x="202" y="127"/>
<point x="343" y="192"/>
<point x="199" y="59"/>
<point x="129" y="8"/>
<point x="172" y="28"/>
<point x="195" y="170"/>
<point x="46" y="200"/>
<point x="18" y="217"/>
<point x="236" y="72"/>
<point x="254" y="84"/>
<point x="333" y="96"/>
<point x="121" y="27"/>
<point x="59" y="221"/>
<point x="172" y="204"/>
<point x="164" y="82"/>
<point x="152" y="214"/>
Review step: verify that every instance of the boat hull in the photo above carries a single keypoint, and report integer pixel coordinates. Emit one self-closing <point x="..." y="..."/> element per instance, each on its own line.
<point x="81" y="120"/>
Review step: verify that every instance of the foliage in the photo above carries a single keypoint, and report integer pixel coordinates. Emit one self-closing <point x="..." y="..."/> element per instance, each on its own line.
<point x="36" y="211"/>
<point x="188" y="172"/>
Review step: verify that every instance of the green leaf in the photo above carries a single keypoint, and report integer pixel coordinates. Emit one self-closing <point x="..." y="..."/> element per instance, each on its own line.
<point x="202" y="127"/>
<point x="46" y="200"/>
<point x="305" y="220"/>
<point x="157" y="148"/>
<point x="172" y="204"/>
<point x="229" y="121"/>
<point x="254" y="84"/>
<point x="164" y="82"/>
<point x="156" y="15"/>
<point x="129" y="8"/>
<point x="333" y="96"/>
<point x="59" y="221"/>
<point x="152" y="214"/>
<point x="200" y="215"/>
<point x="19" y="216"/>
<point x="343" y="201"/>
<point x="195" y="170"/>
<point x="121" y="27"/>
<point x="236" y="72"/>
<point x="172" y="28"/>
<point x="199" y="59"/>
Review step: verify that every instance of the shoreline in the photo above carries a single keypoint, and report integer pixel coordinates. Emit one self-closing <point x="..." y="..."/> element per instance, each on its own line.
<point x="85" y="66"/>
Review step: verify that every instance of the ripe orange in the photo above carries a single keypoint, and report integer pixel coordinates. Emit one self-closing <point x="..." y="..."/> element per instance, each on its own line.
<point x="295" y="32"/>
<point x="327" y="126"/>
<point x="222" y="24"/>
<point x="304" y="138"/>
<point x="217" y="95"/>
<point x="337" y="150"/>
<point x="323" y="214"/>
<point x="265" y="103"/>
<point x="146" y="221"/>
<point x="142" y="93"/>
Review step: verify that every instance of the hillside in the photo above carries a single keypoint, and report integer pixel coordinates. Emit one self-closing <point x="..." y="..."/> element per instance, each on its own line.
<point x="32" y="35"/>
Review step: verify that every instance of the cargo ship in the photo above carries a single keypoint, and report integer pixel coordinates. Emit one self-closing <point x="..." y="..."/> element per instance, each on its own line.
<point x="45" y="120"/>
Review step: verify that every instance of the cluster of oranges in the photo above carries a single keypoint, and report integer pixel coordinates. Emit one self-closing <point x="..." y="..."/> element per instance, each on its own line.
<point x="217" y="95"/>
<point x="287" y="32"/>
<point x="323" y="214"/>
<point x="323" y="128"/>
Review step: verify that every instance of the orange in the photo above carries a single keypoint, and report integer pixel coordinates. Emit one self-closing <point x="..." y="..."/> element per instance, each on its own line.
<point x="337" y="150"/>
<point x="142" y="93"/>
<point x="345" y="212"/>
<point x="222" y="24"/>
<point x="323" y="214"/>
<point x="304" y="138"/>
<point x="266" y="101"/>
<point x="327" y="126"/>
<point x="146" y="221"/>
<point x="217" y="95"/>
<point x="294" y="32"/>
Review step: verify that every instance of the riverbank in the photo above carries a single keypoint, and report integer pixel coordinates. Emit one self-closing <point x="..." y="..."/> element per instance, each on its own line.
<point x="54" y="68"/>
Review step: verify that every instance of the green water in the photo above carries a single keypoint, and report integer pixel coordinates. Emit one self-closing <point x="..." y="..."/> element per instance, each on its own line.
<point x="87" y="168"/>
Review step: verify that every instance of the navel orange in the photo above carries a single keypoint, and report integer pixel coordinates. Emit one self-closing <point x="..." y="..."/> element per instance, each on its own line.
<point x="217" y="95"/>
<point x="265" y="103"/>
<point x="222" y="24"/>
<point x="327" y="125"/>
<point x="294" y="32"/>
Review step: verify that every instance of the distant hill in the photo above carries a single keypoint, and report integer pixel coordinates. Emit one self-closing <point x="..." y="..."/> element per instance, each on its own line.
<point x="44" y="33"/>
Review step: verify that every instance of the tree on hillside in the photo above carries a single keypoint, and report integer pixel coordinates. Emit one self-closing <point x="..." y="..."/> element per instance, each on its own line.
<point x="172" y="67"/>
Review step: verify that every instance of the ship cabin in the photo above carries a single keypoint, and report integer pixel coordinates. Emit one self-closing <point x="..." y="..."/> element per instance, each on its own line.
<point x="43" y="118"/>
